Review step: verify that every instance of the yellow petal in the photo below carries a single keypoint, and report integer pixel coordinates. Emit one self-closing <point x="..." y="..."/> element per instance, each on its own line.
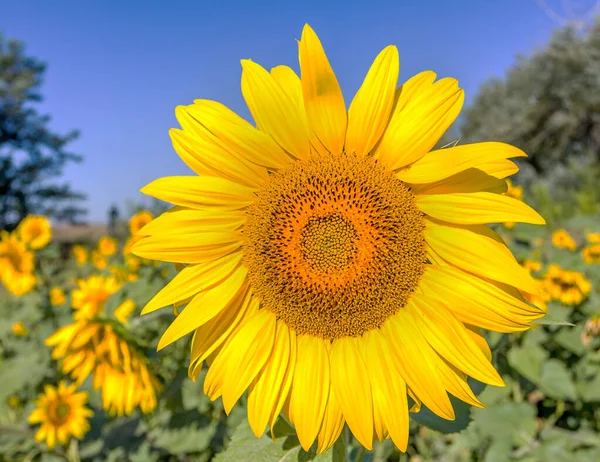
<point x="352" y="388"/>
<point x="273" y="110"/>
<point x="207" y="157"/>
<point x="412" y="90"/>
<point x="442" y="163"/>
<point x="475" y="333"/>
<point x="310" y="389"/>
<point x="264" y="393"/>
<point x="203" y="307"/>
<point x="389" y="389"/>
<point x="371" y="107"/>
<point x="245" y="355"/>
<point x="449" y="338"/>
<point x="455" y="382"/>
<point x="476" y="250"/>
<point x="237" y="135"/>
<point x="499" y="168"/>
<point x="188" y="248"/>
<point x="286" y="384"/>
<point x="323" y="99"/>
<point x="476" y="301"/>
<point x="200" y="192"/>
<point x="413" y="360"/>
<point x="477" y="208"/>
<point x="468" y="181"/>
<point x="194" y="279"/>
<point x="415" y="129"/>
<point x="211" y="335"/>
<point x="333" y="424"/>
<point x="179" y="220"/>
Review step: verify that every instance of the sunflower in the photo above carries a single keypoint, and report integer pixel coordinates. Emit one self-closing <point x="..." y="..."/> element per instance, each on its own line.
<point x="515" y="192"/>
<point x="62" y="412"/>
<point x="563" y="240"/>
<point x="139" y="220"/>
<point x="57" y="296"/>
<point x="107" y="246"/>
<point x="35" y="231"/>
<point x="124" y="310"/>
<point x="81" y="254"/>
<point x="570" y="287"/>
<point x="19" y="329"/>
<point x="593" y="238"/>
<point x="99" y="260"/>
<point x="591" y="254"/>
<point x="532" y="266"/>
<point x="95" y="347"/>
<point x="16" y="265"/>
<point x="334" y="265"/>
<point x="91" y="295"/>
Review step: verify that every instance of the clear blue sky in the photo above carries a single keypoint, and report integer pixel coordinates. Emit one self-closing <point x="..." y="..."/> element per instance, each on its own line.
<point x="117" y="69"/>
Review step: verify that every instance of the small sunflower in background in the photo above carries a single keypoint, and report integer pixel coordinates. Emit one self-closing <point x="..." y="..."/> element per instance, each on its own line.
<point x="593" y="238"/>
<point x="515" y="192"/>
<point x="569" y="287"/>
<point x="107" y="246"/>
<point x="99" y="260"/>
<point x="81" y="254"/>
<point x="35" y="231"/>
<point x="91" y="295"/>
<point x="333" y="264"/>
<point x="19" y="329"/>
<point x="591" y="254"/>
<point x="62" y="413"/>
<point x="139" y="220"/>
<point x="16" y="265"/>
<point x="57" y="296"/>
<point x="561" y="239"/>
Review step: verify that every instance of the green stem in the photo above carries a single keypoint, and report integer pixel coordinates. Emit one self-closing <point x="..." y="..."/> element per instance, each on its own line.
<point x="361" y="454"/>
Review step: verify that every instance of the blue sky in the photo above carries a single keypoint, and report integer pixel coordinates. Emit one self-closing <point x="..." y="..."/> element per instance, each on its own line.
<point x="117" y="70"/>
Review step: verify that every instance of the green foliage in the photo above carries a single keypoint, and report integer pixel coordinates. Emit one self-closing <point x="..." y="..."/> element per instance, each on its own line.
<point x="30" y="154"/>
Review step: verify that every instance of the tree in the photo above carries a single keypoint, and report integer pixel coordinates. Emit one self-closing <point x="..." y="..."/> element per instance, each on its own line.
<point x="549" y="106"/>
<point x="31" y="155"/>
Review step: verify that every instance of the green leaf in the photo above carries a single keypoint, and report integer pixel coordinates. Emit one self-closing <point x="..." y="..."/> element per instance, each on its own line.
<point x="570" y="339"/>
<point x="553" y="321"/>
<point x="514" y="422"/>
<point x="528" y="361"/>
<point x="429" y="419"/>
<point x="556" y="381"/>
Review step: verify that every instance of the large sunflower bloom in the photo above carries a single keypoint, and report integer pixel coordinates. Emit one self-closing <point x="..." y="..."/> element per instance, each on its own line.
<point x="35" y="231"/>
<point x="62" y="413"/>
<point x="334" y="265"/>
<point x="91" y="295"/>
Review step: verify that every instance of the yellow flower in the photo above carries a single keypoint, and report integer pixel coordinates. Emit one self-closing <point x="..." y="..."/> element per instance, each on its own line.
<point x="57" y="296"/>
<point x="94" y="347"/>
<point x="591" y="254"/>
<point x="63" y="414"/>
<point x="139" y="220"/>
<point x="124" y="311"/>
<point x="593" y="238"/>
<point x="35" y="231"/>
<point x="91" y="295"/>
<point x="326" y="248"/>
<point x="570" y="287"/>
<point x="81" y="254"/>
<point x="563" y="240"/>
<point x="99" y="260"/>
<point x="107" y="246"/>
<point x="531" y="266"/>
<point x="123" y="274"/>
<point x="19" y="329"/>
<point x="16" y="265"/>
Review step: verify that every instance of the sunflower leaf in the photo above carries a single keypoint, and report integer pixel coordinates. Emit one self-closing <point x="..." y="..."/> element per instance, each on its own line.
<point x="429" y="419"/>
<point x="550" y="321"/>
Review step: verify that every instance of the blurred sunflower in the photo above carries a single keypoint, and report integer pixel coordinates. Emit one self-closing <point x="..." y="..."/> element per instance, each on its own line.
<point x="19" y="329"/>
<point x="95" y="347"/>
<point x="531" y="266"/>
<point x="570" y="287"/>
<point x="81" y="254"/>
<point x="107" y="246"/>
<point x="99" y="260"/>
<point x="35" y="231"/>
<point x="57" y="296"/>
<point x="593" y="238"/>
<point x="333" y="263"/>
<point x="62" y="413"/>
<point x="591" y="254"/>
<point x="123" y="274"/>
<point x="139" y="220"/>
<point x="561" y="239"/>
<point x="91" y="295"/>
<point x="16" y="265"/>
<point x="515" y="192"/>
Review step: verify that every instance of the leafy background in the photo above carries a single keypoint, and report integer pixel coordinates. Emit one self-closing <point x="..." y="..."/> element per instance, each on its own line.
<point x="549" y="105"/>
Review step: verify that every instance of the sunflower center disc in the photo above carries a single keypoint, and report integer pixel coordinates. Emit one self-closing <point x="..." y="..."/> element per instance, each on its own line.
<point x="334" y="245"/>
<point x="60" y="412"/>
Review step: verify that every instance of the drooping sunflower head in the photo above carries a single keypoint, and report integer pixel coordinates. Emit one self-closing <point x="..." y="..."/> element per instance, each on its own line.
<point x="91" y="295"/>
<point x="62" y="413"/>
<point x="332" y="264"/>
<point x="35" y="231"/>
